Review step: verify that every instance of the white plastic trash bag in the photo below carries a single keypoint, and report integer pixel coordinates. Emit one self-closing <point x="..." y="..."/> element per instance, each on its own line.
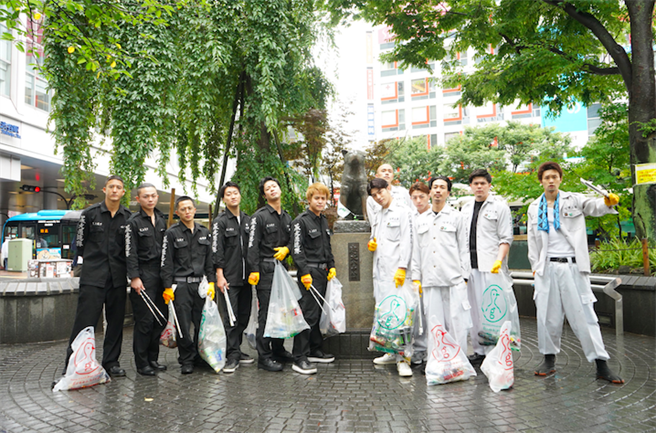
<point x="284" y="317"/>
<point x="211" y="336"/>
<point x="333" y="317"/>
<point x="498" y="364"/>
<point x="447" y="362"/>
<point x="203" y="287"/>
<point x="168" y="338"/>
<point x="83" y="369"/>
<point x="392" y="331"/>
<point x="499" y="305"/>
<point x="251" y="328"/>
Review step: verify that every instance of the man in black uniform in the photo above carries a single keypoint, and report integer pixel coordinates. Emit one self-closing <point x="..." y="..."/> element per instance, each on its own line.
<point x="186" y="258"/>
<point x="268" y="240"/>
<point x="101" y="243"/>
<point x="143" y="251"/>
<point x="229" y="245"/>
<point x="314" y="259"/>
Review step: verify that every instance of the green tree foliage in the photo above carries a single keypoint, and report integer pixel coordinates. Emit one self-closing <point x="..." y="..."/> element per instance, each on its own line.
<point x="158" y="78"/>
<point x="548" y="52"/>
<point x="414" y="161"/>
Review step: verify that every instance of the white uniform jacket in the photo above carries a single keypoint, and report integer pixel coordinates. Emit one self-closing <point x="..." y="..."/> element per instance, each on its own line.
<point x="573" y="208"/>
<point x="439" y="250"/>
<point x="494" y="227"/>
<point x="393" y="231"/>
<point x="401" y="196"/>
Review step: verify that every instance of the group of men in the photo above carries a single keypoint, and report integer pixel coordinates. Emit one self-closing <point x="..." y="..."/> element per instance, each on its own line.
<point x="163" y="265"/>
<point x="449" y="256"/>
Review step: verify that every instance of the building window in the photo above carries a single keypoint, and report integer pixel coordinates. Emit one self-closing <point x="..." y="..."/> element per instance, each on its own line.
<point x="430" y="65"/>
<point x="420" y="117"/>
<point x="432" y="141"/>
<point x="5" y="64"/>
<point x="463" y="58"/>
<point x="593" y="118"/>
<point x="523" y="111"/>
<point x="432" y="115"/>
<point x="452" y="113"/>
<point x="392" y="92"/>
<point x="36" y="87"/>
<point x="489" y="113"/>
<point x="452" y="92"/>
<point x="449" y="135"/>
<point x="390" y="68"/>
<point x="393" y="120"/>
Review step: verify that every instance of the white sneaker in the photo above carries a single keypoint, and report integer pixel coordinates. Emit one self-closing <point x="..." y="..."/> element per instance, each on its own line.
<point x="387" y="358"/>
<point x="404" y="369"/>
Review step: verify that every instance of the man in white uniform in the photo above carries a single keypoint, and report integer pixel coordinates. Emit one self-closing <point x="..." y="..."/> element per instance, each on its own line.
<point x="420" y="196"/>
<point x="401" y="194"/>
<point x="489" y="234"/>
<point x="392" y="248"/>
<point x="439" y="251"/>
<point x="558" y="252"/>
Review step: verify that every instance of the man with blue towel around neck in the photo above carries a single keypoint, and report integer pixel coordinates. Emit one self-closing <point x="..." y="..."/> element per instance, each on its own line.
<point x="558" y="252"/>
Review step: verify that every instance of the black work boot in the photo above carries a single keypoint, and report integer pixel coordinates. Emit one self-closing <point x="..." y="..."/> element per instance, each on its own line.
<point x="604" y="372"/>
<point x="547" y="367"/>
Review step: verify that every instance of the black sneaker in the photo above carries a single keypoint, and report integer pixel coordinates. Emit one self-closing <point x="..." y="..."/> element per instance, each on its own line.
<point x="245" y="359"/>
<point x="231" y="366"/>
<point x="547" y="367"/>
<point x="321" y="357"/>
<point x="283" y="356"/>
<point x="269" y="364"/>
<point x="304" y="367"/>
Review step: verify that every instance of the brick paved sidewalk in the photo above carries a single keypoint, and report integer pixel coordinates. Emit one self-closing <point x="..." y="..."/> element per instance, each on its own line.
<point x="347" y="396"/>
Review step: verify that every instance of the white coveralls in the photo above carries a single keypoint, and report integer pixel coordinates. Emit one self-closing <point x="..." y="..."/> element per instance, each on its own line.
<point x="493" y="228"/>
<point x="437" y="261"/>
<point x="401" y="197"/>
<point x="420" y="340"/>
<point x="563" y="289"/>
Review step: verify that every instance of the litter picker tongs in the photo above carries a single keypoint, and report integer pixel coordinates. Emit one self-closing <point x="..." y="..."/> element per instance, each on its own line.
<point x="151" y="306"/>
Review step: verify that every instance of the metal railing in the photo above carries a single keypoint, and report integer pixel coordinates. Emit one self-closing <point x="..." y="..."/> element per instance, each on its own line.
<point x="598" y="283"/>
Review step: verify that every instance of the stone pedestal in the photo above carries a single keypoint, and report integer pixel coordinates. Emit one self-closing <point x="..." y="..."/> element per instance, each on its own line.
<point x="353" y="262"/>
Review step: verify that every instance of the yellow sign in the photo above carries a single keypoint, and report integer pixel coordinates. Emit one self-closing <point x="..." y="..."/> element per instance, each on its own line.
<point x="645" y="173"/>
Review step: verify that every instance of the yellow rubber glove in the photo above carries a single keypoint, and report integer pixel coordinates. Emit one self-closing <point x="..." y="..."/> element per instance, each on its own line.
<point x="372" y="245"/>
<point x="611" y="200"/>
<point x="210" y="290"/>
<point x="281" y="254"/>
<point x="417" y="285"/>
<point x="495" y="267"/>
<point x="332" y="273"/>
<point x="254" y="278"/>
<point x="168" y="295"/>
<point x="307" y="281"/>
<point x="399" y="277"/>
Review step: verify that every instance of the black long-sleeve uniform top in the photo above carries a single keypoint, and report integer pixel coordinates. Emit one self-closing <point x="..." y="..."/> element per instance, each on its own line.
<point x="186" y="254"/>
<point x="230" y="246"/>
<point x="269" y="230"/>
<point x="311" y="241"/>
<point x="101" y="243"/>
<point x="143" y="244"/>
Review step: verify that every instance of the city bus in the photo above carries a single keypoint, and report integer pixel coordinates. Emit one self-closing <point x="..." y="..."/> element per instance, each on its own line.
<point x="52" y="232"/>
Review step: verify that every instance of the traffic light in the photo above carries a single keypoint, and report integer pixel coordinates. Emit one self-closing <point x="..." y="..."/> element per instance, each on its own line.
<point x="31" y="188"/>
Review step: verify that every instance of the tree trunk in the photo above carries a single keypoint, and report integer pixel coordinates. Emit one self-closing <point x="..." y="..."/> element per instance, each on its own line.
<point x="642" y="108"/>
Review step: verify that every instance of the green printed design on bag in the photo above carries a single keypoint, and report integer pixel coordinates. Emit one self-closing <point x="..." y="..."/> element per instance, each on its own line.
<point x="392" y="312"/>
<point x="493" y="305"/>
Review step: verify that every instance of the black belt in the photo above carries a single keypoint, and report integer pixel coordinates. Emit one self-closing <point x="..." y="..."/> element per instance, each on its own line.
<point x="188" y="279"/>
<point x="563" y="259"/>
<point x="318" y="265"/>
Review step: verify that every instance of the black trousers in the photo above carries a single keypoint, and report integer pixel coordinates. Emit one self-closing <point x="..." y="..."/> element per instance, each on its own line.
<point x="189" y="309"/>
<point x="241" y="298"/>
<point x="310" y="340"/>
<point x="266" y="347"/>
<point x="146" y="329"/>
<point x="90" y="304"/>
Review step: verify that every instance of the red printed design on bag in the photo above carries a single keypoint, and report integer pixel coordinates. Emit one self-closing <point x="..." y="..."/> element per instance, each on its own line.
<point x="506" y="355"/>
<point x="84" y="361"/>
<point x="445" y="349"/>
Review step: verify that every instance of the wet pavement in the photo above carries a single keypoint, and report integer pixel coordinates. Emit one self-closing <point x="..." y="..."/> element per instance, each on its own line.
<point x="346" y="396"/>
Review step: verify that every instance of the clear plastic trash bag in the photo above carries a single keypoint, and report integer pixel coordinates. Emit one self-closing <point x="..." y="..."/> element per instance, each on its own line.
<point x="394" y="317"/>
<point x="211" y="336"/>
<point x="447" y="361"/>
<point x="498" y="364"/>
<point x="499" y="305"/>
<point x="83" y="369"/>
<point x="251" y="328"/>
<point x="333" y="317"/>
<point x="284" y="317"/>
<point x="168" y="338"/>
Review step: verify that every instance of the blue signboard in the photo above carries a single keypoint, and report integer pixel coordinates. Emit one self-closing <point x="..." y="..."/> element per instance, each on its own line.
<point x="570" y="119"/>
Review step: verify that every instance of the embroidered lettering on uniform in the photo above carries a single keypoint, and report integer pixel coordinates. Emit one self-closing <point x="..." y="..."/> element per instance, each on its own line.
<point x="165" y="244"/>
<point x="203" y="238"/>
<point x="271" y="225"/>
<point x="251" y="237"/>
<point x="80" y="231"/>
<point x="215" y="235"/>
<point x="143" y="229"/>
<point x="297" y="238"/>
<point x="230" y="229"/>
<point x="128" y="240"/>
<point x="97" y="223"/>
<point x="180" y="239"/>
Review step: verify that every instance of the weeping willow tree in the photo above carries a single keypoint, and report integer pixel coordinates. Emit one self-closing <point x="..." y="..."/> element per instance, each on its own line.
<point x="204" y="80"/>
